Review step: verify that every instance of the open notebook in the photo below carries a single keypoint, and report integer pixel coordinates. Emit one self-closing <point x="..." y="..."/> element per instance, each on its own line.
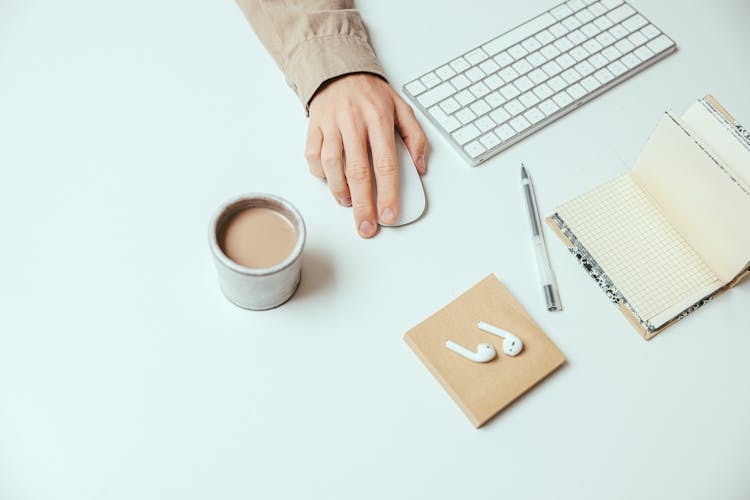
<point x="673" y="232"/>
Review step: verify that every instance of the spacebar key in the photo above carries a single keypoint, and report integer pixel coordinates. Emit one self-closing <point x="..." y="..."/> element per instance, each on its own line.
<point x="520" y="33"/>
<point x="436" y="94"/>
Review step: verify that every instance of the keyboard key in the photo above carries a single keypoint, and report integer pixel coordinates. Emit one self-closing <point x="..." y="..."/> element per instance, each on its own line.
<point x="465" y="97"/>
<point x="575" y="5"/>
<point x="534" y="115"/>
<point x="584" y="16"/>
<point x="474" y="149"/>
<point x="659" y="44"/>
<point x="571" y="76"/>
<point x="643" y="52"/>
<point x="558" y="30"/>
<point x="520" y="33"/>
<point x="495" y="99"/>
<point x="519" y="123"/>
<point x="531" y="44"/>
<point x="571" y="23"/>
<point x="557" y="84"/>
<point x="576" y="37"/>
<point x="579" y="54"/>
<point x="584" y="68"/>
<point x="592" y="46"/>
<point x="509" y="91"/>
<point x="561" y="12"/>
<point x="603" y="23"/>
<point x="605" y="39"/>
<point x="544" y="37"/>
<point x="538" y="76"/>
<point x="617" y="68"/>
<point x="590" y="83"/>
<point x="466" y="134"/>
<point x="465" y="115"/>
<point x="499" y="115"/>
<point x="435" y="95"/>
<point x="637" y="38"/>
<point x="437" y="112"/>
<point x="611" y="53"/>
<point x="611" y="4"/>
<point x="576" y="91"/>
<point x="489" y="140"/>
<point x="634" y="23"/>
<point x="430" y="80"/>
<point x="508" y="74"/>
<point x="524" y="84"/>
<point x="517" y="52"/>
<point x="622" y="12"/>
<point x="475" y="74"/>
<point x="597" y="9"/>
<point x="460" y="82"/>
<point x="618" y="32"/>
<point x="624" y="46"/>
<point x="450" y="105"/>
<point x="503" y="59"/>
<point x="590" y="30"/>
<point x="548" y="107"/>
<point x="598" y="61"/>
<point x="552" y="68"/>
<point x="476" y="56"/>
<point x="459" y="65"/>
<point x="536" y="59"/>
<point x="604" y="75"/>
<point x="650" y="31"/>
<point x="630" y="61"/>
<point x="415" y="88"/>
<point x="550" y="51"/>
<point x="543" y="91"/>
<point x="522" y="66"/>
<point x="514" y="107"/>
<point x="494" y="82"/>
<point x="445" y="72"/>
<point x="505" y="132"/>
<point x="565" y="61"/>
<point x="562" y="99"/>
<point x="485" y="123"/>
<point x="480" y="107"/>
<point x="450" y="124"/>
<point x="563" y="45"/>
<point x="489" y="66"/>
<point x="528" y="99"/>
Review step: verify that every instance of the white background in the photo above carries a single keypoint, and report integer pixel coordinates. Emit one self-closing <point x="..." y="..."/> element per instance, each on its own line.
<point x="125" y="374"/>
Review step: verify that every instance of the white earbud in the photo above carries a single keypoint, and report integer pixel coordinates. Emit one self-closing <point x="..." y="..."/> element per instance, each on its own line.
<point x="512" y="345"/>
<point x="485" y="352"/>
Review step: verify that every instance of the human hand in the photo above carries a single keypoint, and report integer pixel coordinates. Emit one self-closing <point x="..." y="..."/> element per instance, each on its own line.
<point x="350" y="116"/>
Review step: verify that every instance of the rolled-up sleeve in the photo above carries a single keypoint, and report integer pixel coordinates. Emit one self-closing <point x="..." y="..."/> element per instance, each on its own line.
<point x="312" y="41"/>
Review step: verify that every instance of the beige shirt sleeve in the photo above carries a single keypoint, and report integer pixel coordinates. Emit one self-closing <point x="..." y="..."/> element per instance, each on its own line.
<point x="312" y="40"/>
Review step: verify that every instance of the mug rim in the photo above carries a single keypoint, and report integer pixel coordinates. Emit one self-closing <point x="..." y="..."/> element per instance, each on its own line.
<point x="226" y="209"/>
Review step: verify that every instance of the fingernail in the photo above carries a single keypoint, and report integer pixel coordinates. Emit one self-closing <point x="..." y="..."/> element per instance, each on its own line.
<point x="366" y="228"/>
<point x="387" y="215"/>
<point x="421" y="164"/>
<point x="345" y="202"/>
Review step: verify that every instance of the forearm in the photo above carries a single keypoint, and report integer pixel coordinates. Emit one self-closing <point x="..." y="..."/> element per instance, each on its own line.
<point x="312" y="41"/>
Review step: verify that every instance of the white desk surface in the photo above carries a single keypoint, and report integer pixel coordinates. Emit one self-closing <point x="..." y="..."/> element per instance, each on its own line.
<point x="125" y="374"/>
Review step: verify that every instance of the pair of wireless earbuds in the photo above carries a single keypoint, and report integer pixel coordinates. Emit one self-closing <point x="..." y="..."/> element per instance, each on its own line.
<point x="512" y="345"/>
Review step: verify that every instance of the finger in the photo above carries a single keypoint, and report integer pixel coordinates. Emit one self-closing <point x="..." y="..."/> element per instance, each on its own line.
<point x="357" y="171"/>
<point x="332" y="159"/>
<point x="385" y="167"/>
<point x="412" y="133"/>
<point x="312" y="151"/>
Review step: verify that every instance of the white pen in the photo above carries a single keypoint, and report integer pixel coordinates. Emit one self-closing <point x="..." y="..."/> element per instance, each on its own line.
<point x="546" y="276"/>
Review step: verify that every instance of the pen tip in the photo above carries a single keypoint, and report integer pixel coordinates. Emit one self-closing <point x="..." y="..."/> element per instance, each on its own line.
<point x="524" y="175"/>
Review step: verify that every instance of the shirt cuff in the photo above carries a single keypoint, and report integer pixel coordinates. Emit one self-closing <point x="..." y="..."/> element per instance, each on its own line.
<point x="319" y="59"/>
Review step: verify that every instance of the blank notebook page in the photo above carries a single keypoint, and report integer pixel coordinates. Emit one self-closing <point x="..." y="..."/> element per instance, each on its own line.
<point x="649" y="262"/>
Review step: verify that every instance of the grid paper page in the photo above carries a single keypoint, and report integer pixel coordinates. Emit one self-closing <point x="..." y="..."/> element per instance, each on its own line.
<point x="636" y="246"/>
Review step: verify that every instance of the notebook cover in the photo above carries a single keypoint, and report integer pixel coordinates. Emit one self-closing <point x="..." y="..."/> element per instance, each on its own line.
<point x="483" y="389"/>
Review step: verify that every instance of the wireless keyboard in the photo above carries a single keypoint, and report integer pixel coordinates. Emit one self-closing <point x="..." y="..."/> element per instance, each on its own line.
<point x="508" y="88"/>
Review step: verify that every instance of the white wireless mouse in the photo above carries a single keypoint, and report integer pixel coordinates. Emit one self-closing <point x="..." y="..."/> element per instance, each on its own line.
<point x="411" y="197"/>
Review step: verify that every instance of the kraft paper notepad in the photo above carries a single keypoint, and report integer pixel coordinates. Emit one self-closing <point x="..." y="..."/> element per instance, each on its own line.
<point x="673" y="232"/>
<point x="484" y="389"/>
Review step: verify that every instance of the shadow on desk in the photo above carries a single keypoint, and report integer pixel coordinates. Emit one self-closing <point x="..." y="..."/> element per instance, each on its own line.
<point x="317" y="274"/>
